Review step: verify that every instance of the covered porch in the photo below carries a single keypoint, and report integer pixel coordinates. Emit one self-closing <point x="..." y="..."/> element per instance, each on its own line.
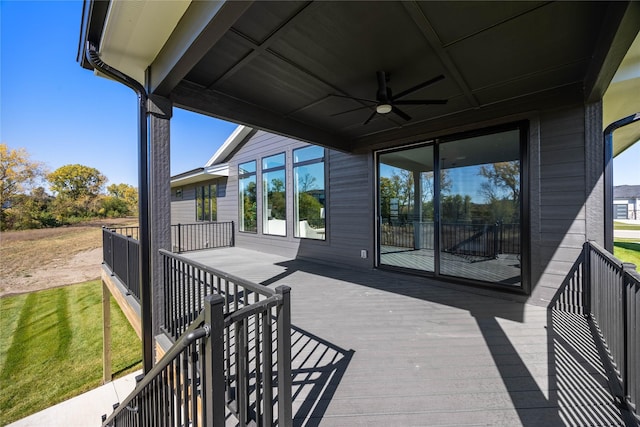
<point x="379" y="348"/>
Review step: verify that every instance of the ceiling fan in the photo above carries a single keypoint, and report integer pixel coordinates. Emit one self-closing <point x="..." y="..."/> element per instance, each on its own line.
<point x="386" y="102"/>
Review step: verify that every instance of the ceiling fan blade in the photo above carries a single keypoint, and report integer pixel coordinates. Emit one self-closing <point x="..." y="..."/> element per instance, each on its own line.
<point x="350" y="111"/>
<point x="370" y="117"/>
<point x="420" y="86"/>
<point x="353" y="97"/>
<point x="421" y="102"/>
<point x="401" y="113"/>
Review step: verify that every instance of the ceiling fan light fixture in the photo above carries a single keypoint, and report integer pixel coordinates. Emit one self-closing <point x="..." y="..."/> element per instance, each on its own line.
<point x="383" y="108"/>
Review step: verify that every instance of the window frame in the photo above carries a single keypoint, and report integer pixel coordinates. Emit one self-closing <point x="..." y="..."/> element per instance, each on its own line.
<point x="324" y="211"/>
<point x="244" y="174"/>
<point x="265" y="194"/>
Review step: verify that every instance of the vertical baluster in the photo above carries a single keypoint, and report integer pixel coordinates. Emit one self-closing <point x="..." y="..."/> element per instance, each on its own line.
<point x="193" y="352"/>
<point x="227" y="303"/>
<point x="184" y="374"/>
<point x="267" y="372"/>
<point x="173" y="393"/>
<point x="242" y="384"/>
<point x="257" y="348"/>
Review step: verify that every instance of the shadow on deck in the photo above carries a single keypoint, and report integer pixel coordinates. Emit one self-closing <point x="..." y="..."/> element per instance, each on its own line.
<point x="424" y="353"/>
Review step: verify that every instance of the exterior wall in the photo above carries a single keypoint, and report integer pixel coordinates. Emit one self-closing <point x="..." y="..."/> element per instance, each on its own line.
<point x="183" y="209"/>
<point x="349" y="204"/>
<point x="626" y="209"/>
<point x="561" y="191"/>
<point x="351" y="226"/>
<point x="259" y="145"/>
<point x="565" y="188"/>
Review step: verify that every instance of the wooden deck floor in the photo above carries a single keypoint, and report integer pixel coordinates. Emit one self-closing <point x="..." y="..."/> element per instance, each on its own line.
<point x="383" y="349"/>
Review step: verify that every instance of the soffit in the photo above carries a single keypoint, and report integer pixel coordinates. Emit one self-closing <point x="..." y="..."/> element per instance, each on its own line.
<point x="284" y="66"/>
<point x="135" y="31"/>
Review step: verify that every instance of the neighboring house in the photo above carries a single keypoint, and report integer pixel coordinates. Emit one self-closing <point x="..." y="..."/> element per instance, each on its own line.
<point x="462" y="141"/>
<point x="626" y="202"/>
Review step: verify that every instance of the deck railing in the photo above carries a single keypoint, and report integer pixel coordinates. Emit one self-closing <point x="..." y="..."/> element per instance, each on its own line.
<point x="613" y="301"/>
<point x="191" y="237"/>
<point x="187" y="386"/>
<point x="120" y="254"/>
<point x="225" y="329"/>
<point x="482" y="240"/>
<point x="201" y="235"/>
<point x="256" y="317"/>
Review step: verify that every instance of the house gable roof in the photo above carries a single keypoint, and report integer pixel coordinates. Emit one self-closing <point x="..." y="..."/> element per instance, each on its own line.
<point x="626" y="192"/>
<point x="216" y="166"/>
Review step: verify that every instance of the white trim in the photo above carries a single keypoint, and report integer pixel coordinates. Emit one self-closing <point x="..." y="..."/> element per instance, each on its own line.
<point x="236" y="137"/>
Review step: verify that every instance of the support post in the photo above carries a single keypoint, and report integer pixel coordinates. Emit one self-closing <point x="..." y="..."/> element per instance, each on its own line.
<point x="159" y="179"/>
<point x="106" y="334"/>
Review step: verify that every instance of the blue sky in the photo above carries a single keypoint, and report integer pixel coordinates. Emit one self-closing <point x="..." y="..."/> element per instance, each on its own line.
<point x="62" y="114"/>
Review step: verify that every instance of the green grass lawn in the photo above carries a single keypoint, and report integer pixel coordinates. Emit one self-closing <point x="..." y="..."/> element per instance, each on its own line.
<point x="627" y="250"/>
<point x="51" y="347"/>
<point x="622" y="226"/>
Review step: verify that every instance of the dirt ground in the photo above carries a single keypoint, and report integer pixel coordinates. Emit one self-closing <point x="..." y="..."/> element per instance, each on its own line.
<point x="32" y="260"/>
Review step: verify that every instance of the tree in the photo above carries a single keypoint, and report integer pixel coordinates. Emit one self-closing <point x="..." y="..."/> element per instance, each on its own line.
<point x="504" y="176"/>
<point x="502" y="190"/>
<point x="277" y="199"/>
<point x="127" y="194"/>
<point x="30" y="211"/>
<point x="17" y="173"/>
<point x="75" y="181"/>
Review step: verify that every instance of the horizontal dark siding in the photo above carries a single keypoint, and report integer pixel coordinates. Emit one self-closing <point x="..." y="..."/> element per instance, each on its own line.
<point x="350" y="220"/>
<point x="561" y="201"/>
<point x="183" y="210"/>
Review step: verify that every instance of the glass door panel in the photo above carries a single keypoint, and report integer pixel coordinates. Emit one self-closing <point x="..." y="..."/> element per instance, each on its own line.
<point x="479" y="204"/>
<point x="406" y="208"/>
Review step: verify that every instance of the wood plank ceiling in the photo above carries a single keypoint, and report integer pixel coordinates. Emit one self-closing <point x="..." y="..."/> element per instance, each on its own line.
<point x="281" y="64"/>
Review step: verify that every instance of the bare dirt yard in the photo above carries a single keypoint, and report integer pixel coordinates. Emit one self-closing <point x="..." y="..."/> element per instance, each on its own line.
<point x="32" y="260"/>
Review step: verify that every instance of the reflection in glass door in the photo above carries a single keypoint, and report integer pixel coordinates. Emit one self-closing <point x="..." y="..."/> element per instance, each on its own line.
<point x="480" y="208"/>
<point x="465" y="224"/>
<point x="406" y="209"/>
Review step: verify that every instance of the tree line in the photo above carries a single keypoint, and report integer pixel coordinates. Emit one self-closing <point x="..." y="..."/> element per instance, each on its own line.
<point x="497" y="183"/>
<point x="75" y="193"/>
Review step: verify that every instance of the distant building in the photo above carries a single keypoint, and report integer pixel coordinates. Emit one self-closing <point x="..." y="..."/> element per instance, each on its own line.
<point x="626" y="202"/>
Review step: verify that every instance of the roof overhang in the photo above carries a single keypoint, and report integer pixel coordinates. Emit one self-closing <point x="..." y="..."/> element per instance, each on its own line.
<point x="622" y="99"/>
<point x="284" y="67"/>
<point x="200" y="175"/>
<point x="230" y="145"/>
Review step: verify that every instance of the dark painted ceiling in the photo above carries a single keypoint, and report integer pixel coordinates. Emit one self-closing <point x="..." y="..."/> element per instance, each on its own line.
<point x="281" y="64"/>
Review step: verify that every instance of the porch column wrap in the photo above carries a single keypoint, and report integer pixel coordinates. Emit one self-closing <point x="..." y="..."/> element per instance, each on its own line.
<point x="595" y="175"/>
<point x="159" y="116"/>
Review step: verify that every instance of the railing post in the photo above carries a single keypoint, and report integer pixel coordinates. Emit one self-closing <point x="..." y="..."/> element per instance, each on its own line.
<point x="214" y="383"/>
<point x="179" y="239"/>
<point x="586" y="278"/>
<point x="285" y="415"/>
<point x="626" y="267"/>
<point x="233" y="233"/>
<point x="111" y="251"/>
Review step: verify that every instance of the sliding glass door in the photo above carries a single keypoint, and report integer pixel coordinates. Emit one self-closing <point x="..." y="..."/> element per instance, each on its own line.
<point x="480" y="208"/>
<point x="453" y="207"/>
<point x="407" y="209"/>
